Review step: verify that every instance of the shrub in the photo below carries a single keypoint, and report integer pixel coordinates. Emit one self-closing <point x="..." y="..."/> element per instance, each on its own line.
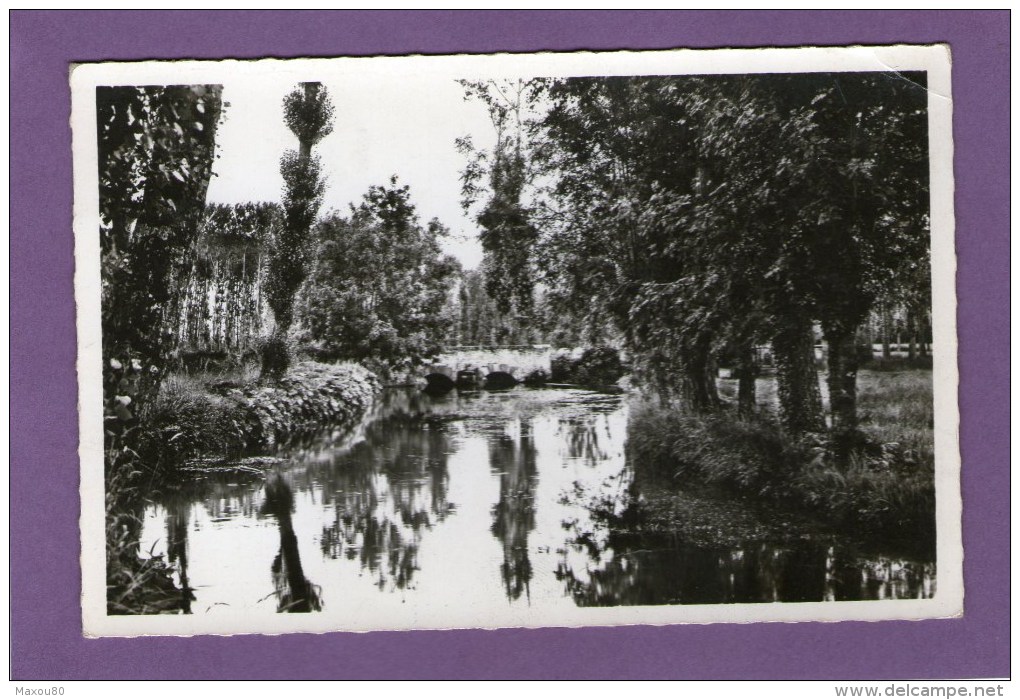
<point x="562" y="368"/>
<point x="537" y="377"/>
<point x="891" y="496"/>
<point x="599" y="367"/>
<point x="746" y="456"/>
<point x="187" y="421"/>
<point x="276" y="357"/>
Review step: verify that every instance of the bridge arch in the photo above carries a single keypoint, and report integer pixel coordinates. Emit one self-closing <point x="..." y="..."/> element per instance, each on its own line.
<point x="487" y="366"/>
<point x="500" y="380"/>
<point x="438" y="383"/>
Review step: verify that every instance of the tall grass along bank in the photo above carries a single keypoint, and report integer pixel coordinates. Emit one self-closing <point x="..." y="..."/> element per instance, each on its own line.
<point x="879" y="482"/>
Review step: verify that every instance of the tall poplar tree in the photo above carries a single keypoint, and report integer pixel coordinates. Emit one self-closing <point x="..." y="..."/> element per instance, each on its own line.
<point x="499" y="179"/>
<point x="308" y="112"/>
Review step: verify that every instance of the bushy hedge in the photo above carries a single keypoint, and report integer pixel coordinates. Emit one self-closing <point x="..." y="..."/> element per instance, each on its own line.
<point x="537" y="377"/>
<point x="597" y="367"/>
<point x="312" y="395"/>
<point x="188" y="420"/>
<point x="561" y="368"/>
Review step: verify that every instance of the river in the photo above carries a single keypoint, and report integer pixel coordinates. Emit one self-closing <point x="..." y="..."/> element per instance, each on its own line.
<point x="438" y="511"/>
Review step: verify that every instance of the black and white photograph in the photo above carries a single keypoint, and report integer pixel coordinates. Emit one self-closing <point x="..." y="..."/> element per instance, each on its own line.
<point x="529" y="340"/>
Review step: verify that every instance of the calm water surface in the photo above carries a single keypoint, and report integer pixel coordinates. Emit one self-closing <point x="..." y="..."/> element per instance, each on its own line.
<point x="441" y="510"/>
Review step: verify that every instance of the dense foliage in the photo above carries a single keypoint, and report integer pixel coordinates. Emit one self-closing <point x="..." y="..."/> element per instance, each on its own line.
<point x="709" y="214"/>
<point x="155" y="160"/>
<point x="596" y="367"/>
<point x="155" y="149"/>
<point x="380" y="291"/>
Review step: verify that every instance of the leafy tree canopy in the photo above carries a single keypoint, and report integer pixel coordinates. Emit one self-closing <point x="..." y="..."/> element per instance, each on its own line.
<point x="380" y="292"/>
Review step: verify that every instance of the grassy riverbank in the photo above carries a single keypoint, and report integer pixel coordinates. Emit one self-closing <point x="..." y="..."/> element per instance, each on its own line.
<point x="883" y="485"/>
<point x="210" y="418"/>
<point x="203" y="416"/>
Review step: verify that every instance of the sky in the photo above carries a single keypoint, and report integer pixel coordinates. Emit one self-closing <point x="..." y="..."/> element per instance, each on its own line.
<point x="383" y="126"/>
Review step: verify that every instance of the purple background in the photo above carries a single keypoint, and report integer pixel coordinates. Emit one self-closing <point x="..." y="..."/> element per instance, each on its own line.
<point x="46" y="641"/>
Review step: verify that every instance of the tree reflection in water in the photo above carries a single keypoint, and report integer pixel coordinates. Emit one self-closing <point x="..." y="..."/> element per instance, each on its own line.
<point x="581" y="438"/>
<point x="371" y="493"/>
<point x="514" y="459"/>
<point x="224" y="495"/>
<point x="852" y="577"/>
<point x="386" y="491"/>
<point x="657" y="569"/>
<point x="177" y="519"/>
<point x="294" y="592"/>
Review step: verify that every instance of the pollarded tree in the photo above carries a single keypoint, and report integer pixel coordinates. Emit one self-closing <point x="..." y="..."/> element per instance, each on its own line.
<point x="828" y="172"/>
<point x="698" y="213"/>
<point x="308" y="112"/>
<point x="846" y="205"/>
<point x="751" y="144"/>
<point x="871" y="182"/>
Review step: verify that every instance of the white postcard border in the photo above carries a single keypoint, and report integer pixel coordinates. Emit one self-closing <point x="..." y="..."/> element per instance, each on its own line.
<point x="948" y="601"/>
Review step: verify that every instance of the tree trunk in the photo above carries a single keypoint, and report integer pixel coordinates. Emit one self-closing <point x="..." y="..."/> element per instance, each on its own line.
<point x="911" y="335"/>
<point x="886" y="332"/>
<point x="747" y="374"/>
<point x="304" y="145"/>
<point x="800" y="402"/>
<point x="699" y="389"/>
<point x="842" y="378"/>
<point x="294" y="592"/>
<point x="925" y="333"/>
<point x="177" y="548"/>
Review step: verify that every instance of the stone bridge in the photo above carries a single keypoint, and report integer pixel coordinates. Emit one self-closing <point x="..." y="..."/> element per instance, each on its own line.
<point x="492" y="367"/>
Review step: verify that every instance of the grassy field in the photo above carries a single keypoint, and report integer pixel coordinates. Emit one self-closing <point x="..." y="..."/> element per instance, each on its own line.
<point x="892" y="406"/>
<point x="898" y="407"/>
